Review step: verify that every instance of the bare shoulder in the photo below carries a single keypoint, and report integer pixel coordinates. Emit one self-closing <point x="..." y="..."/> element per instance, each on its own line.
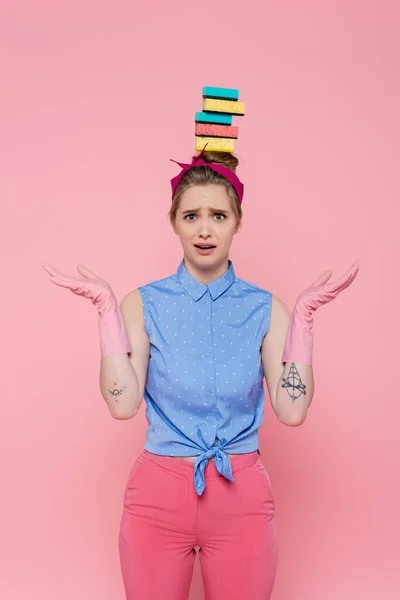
<point x="279" y="312"/>
<point x="279" y="324"/>
<point x="132" y="313"/>
<point x="132" y="309"/>
<point x="272" y="347"/>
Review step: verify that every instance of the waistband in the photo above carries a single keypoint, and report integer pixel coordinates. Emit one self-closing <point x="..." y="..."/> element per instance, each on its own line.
<point x="202" y="470"/>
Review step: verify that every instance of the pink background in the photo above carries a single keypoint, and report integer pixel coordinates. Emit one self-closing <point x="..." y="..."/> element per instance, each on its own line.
<point x="95" y="99"/>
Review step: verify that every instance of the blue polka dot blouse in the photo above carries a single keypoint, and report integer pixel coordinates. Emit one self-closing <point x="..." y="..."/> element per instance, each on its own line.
<point x="204" y="390"/>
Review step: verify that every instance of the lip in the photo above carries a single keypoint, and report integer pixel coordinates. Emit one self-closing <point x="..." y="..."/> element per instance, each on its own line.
<point x="204" y="251"/>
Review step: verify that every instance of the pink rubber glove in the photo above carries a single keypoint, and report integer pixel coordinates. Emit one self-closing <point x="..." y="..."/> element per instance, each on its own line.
<point x="113" y="335"/>
<point x="299" y="339"/>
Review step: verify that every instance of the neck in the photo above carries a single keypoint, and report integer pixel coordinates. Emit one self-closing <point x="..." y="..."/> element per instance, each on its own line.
<point x="207" y="273"/>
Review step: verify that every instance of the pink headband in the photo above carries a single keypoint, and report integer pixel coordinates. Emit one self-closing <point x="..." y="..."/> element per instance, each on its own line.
<point x="224" y="171"/>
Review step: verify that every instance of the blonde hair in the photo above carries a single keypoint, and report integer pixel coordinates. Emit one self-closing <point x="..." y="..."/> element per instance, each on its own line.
<point x="203" y="175"/>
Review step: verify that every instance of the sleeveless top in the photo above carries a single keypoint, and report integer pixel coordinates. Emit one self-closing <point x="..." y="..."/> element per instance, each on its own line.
<point x="204" y="390"/>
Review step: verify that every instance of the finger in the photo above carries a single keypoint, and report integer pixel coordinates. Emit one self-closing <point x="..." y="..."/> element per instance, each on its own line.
<point x="355" y="267"/>
<point x="47" y="267"/>
<point x="346" y="279"/>
<point x="349" y="276"/>
<point x="72" y="285"/>
<point x="87" y="273"/>
<point x="52" y="271"/>
<point x="322" y="279"/>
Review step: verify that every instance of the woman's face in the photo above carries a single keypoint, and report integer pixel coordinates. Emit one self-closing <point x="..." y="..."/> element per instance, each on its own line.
<point x="205" y="218"/>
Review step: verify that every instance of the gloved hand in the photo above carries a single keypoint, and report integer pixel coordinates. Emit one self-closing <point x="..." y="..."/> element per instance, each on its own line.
<point x="299" y="339"/>
<point x="113" y="335"/>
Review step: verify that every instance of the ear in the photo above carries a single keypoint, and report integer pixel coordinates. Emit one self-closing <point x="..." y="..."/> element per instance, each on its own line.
<point x="173" y="225"/>
<point x="238" y="226"/>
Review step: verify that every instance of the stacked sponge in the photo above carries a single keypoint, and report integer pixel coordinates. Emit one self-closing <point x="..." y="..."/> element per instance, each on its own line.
<point x="214" y="124"/>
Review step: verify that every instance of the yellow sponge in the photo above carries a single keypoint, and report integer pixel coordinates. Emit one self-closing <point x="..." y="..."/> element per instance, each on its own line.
<point x="215" y="144"/>
<point x="224" y="106"/>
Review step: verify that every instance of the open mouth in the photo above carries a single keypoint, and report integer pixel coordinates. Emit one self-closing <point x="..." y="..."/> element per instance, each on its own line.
<point x="204" y="247"/>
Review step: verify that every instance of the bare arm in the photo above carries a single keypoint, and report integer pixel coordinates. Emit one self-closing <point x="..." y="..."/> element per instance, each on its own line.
<point x="290" y="385"/>
<point x="123" y="376"/>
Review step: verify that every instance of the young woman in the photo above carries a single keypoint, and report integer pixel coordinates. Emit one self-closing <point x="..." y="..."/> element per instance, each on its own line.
<point x="197" y="345"/>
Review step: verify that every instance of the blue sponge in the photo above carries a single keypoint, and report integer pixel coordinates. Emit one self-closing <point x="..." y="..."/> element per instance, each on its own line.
<point x="206" y="117"/>
<point x="220" y="93"/>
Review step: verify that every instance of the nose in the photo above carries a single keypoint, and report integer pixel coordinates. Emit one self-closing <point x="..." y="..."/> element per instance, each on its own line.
<point x="205" y="228"/>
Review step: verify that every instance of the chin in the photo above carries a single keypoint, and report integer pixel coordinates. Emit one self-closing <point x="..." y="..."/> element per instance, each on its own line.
<point x="206" y="260"/>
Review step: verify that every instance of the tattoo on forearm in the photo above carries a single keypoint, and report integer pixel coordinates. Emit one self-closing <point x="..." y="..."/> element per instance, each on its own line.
<point x="115" y="392"/>
<point x="293" y="383"/>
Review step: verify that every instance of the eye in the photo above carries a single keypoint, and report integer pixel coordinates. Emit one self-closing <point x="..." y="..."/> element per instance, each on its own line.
<point x="189" y="215"/>
<point x="220" y="215"/>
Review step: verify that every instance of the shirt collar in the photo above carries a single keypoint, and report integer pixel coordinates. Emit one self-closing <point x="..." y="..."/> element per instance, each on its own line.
<point x="197" y="289"/>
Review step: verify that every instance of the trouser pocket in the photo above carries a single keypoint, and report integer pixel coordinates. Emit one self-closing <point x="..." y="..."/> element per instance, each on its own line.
<point x="152" y="487"/>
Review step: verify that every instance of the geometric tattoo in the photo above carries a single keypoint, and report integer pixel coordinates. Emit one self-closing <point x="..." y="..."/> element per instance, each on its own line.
<point x="116" y="392"/>
<point x="293" y="383"/>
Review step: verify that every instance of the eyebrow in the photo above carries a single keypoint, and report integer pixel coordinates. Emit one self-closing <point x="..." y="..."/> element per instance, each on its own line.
<point x="195" y="210"/>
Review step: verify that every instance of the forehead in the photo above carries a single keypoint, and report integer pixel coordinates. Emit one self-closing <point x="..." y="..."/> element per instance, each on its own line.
<point x="204" y="196"/>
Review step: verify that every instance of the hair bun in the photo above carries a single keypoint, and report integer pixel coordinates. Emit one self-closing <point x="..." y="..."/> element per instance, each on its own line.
<point x="225" y="159"/>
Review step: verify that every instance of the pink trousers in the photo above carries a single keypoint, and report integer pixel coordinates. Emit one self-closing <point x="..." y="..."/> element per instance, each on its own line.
<point x="232" y="524"/>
